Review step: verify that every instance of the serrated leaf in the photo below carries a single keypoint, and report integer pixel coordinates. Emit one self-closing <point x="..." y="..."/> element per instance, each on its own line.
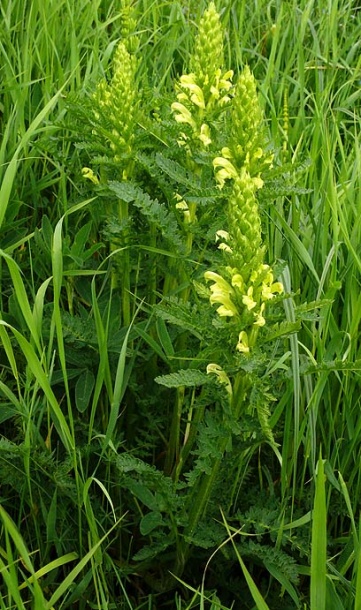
<point x="155" y="212"/>
<point x="180" y="314"/>
<point x="126" y="191"/>
<point x="129" y="463"/>
<point x="284" y="329"/>
<point x="312" y="305"/>
<point x="183" y="378"/>
<point x="175" y="171"/>
<point x="149" y="522"/>
<point x="334" y="365"/>
<point x="150" y="551"/>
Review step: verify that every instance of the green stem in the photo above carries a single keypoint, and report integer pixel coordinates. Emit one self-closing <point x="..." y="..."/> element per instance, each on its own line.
<point x="125" y="266"/>
<point x="200" y="499"/>
<point x="174" y="436"/>
<point x="189" y="438"/>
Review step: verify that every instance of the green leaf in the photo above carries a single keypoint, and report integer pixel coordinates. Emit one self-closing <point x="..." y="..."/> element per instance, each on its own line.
<point x="155" y="212"/>
<point x="277" y="573"/>
<point x="153" y="550"/>
<point x="183" y="378"/>
<point x="65" y="585"/>
<point x="83" y="390"/>
<point x="149" y="522"/>
<point x="164" y="338"/>
<point x="143" y="494"/>
<point x="151" y="342"/>
<point x="176" y="172"/>
<point x="7" y="413"/>
<point x="10" y="173"/>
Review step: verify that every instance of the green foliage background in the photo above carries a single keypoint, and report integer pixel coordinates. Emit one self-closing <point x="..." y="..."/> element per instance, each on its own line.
<point x="103" y="470"/>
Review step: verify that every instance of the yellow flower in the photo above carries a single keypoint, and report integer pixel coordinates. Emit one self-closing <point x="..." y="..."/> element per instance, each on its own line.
<point x="226" y="172"/>
<point x="258" y="182"/>
<point x="89" y="174"/>
<point x="242" y="345"/>
<point x="247" y="299"/>
<point x="269" y="292"/>
<point x="205" y="134"/>
<point x="260" y="320"/>
<point x="221" y="292"/>
<point x="222" y="83"/>
<point x="182" y="97"/>
<point x="237" y="280"/>
<point x="223" y="378"/>
<point x="225" y="248"/>
<point x="260" y="271"/>
<point x="184" y="115"/>
<point x="187" y="81"/>
<point x="226" y="152"/>
<point x="221" y="234"/>
<point x="182" y="205"/>
<point x="225" y="81"/>
<point x="269" y="287"/>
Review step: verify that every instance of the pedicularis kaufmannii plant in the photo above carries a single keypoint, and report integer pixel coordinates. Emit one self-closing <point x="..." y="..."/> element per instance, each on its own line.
<point x="113" y="115"/>
<point x="243" y="286"/>
<point x="185" y="175"/>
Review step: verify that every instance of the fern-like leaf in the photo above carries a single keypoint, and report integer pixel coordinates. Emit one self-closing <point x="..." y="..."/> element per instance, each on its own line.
<point x="155" y="212"/>
<point x="189" y="378"/>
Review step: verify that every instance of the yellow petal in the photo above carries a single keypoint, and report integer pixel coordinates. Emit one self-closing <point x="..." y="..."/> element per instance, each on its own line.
<point x="242" y="345"/>
<point x="225" y="247"/>
<point x="221" y="234"/>
<point x="237" y="280"/>
<point x="226" y="312"/>
<point x="184" y="115"/>
<point x="223" y="378"/>
<point x="188" y="79"/>
<point x="248" y="301"/>
<point x="89" y="174"/>
<point x="204" y="136"/>
<point x="260" y="320"/>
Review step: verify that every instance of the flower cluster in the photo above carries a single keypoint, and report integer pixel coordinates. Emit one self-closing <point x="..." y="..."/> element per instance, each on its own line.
<point x="245" y="286"/>
<point x="194" y="106"/>
<point x="129" y="26"/>
<point x="245" y="301"/>
<point x="206" y="87"/>
<point x="247" y="147"/>
<point x="115" y="105"/>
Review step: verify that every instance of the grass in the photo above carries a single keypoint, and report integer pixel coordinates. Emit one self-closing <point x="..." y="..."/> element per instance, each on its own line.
<point x="118" y="492"/>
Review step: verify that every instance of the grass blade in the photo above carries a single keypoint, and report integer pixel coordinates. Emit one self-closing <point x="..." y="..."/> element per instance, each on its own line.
<point x="319" y="543"/>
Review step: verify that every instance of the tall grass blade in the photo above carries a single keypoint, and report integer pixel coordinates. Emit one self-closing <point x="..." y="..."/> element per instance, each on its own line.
<point x="36" y="367"/>
<point x="10" y="173"/>
<point x="319" y="543"/>
<point x="358" y="575"/>
<point x="67" y="582"/>
<point x="256" y="595"/>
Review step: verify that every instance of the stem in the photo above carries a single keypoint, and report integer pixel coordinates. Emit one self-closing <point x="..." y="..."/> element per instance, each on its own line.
<point x="189" y="438"/>
<point x="125" y="266"/>
<point x="173" y="447"/>
<point x="200" y="499"/>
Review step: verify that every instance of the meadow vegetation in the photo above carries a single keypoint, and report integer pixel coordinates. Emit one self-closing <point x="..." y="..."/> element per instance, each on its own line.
<point x="180" y="304"/>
